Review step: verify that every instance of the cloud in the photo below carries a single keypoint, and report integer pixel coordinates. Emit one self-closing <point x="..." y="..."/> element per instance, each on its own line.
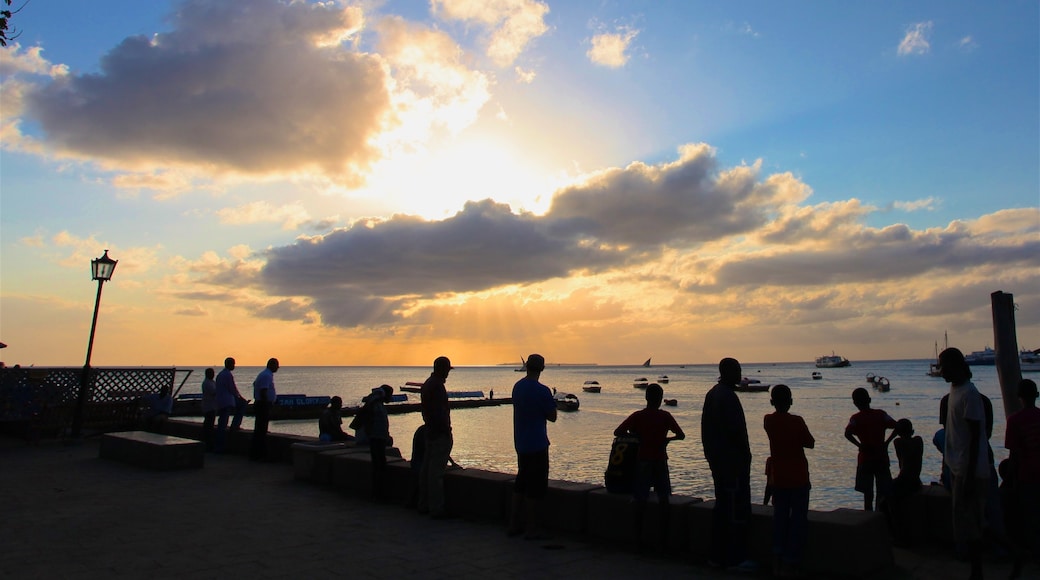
<point x="291" y="216"/>
<point x="928" y="203"/>
<point x="525" y="76"/>
<point x="513" y="24"/>
<point x="967" y="44"/>
<point x="201" y="95"/>
<point x="915" y="41"/>
<point x="15" y="59"/>
<point x="611" y="49"/>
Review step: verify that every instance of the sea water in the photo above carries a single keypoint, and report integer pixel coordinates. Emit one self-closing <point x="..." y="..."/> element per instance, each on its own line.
<point x="581" y="440"/>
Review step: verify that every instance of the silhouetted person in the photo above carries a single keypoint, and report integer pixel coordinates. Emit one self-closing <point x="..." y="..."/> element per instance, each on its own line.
<point x="533" y="406"/>
<point x="909" y="453"/>
<point x="330" y="423"/>
<point x="1022" y="439"/>
<point x="264" y="396"/>
<point x="789" y="437"/>
<point x="378" y="433"/>
<point x="939" y="440"/>
<point x="652" y="425"/>
<point x="966" y="455"/>
<point x="229" y="402"/>
<point x="160" y="406"/>
<point x="209" y="408"/>
<point x="725" y="439"/>
<point x="866" y="430"/>
<point x="436" y="415"/>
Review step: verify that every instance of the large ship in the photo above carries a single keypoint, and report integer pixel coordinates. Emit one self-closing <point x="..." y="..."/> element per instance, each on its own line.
<point x="832" y="361"/>
<point x="986" y="356"/>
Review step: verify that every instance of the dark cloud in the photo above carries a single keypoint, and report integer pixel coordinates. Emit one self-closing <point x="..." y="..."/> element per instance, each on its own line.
<point x="484" y="246"/>
<point x="234" y="86"/>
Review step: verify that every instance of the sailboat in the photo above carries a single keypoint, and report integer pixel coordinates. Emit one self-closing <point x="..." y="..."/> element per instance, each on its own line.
<point x="935" y="369"/>
<point x="523" y="366"/>
<point x="647" y="363"/>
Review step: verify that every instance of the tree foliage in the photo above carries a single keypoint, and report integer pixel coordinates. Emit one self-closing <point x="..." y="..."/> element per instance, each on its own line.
<point x="7" y="33"/>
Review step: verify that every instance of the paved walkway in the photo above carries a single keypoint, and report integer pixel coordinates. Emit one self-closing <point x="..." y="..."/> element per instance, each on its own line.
<point x="68" y="514"/>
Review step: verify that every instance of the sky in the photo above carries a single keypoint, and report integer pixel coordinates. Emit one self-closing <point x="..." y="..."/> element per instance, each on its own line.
<point x="384" y="182"/>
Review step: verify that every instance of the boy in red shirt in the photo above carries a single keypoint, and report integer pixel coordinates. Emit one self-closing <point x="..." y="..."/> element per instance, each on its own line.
<point x="866" y="430"/>
<point x="789" y="437"/>
<point x="651" y="425"/>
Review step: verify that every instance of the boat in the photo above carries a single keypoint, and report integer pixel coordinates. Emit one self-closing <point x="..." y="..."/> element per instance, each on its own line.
<point x="747" y="385"/>
<point x="984" y="357"/>
<point x="566" y="402"/>
<point x="412" y="387"/>
<point x="1029" y="361"/>
<point x="671" y="402"/>
<point x="663" y="379"/>
<point x="647" y="363"/>
<point x="641" y="383"/>
<point x="523" y="366"/>
<point x="817" y="375"/>
<point x="832" y="362"/>
<point x="882" y="384"/>
<point x="871" y="377"/>
<point x="935" y="369"/>
<point x="591" y="387"/>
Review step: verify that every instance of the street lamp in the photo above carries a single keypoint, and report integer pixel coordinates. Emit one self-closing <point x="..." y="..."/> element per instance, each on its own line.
<point x="101" y="269"/>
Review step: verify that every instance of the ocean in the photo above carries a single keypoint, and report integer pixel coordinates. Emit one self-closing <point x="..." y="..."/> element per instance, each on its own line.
<point x="581" y="440"/>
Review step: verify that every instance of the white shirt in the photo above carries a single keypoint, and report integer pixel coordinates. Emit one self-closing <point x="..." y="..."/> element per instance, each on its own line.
<point x="965" y="405"/>
<point x="264" y="382"/>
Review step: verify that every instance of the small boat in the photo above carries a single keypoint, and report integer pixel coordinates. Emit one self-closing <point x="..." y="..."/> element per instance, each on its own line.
<point x="641" y="383"/>
<point x="747" y="385"/>
<point x="1029" y="361"/>
<point x="647" y="363"/>
<point x="523" y="366"/>
<point x="663" y="379"/>
<point x="591" y="387"/>
<point x="871" y="377"/>
<point x="984" y="357"/>
<point x="935" y="369"/>
<point x="412" y="387"/>
<point x="882" y="384"/>
<point x="671" y="402"/>
<point x="817" y="375"/>
<point x="832" y="362"/>
<point x="566" y="402"/>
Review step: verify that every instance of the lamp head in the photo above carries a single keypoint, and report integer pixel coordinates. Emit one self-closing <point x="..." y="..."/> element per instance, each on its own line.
<point x="103" y="267"/>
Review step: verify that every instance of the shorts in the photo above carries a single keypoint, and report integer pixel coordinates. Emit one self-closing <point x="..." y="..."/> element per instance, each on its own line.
<point x="652" y="473"/>
<point x="532" y="475"/>
<point x="867" y="473"/>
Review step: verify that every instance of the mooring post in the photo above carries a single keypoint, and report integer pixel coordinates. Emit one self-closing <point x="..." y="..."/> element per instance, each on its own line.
<point x="1005" y="341"/>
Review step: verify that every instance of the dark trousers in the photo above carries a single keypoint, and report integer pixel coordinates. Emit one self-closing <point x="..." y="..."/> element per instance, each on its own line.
<point x="207" y="429"/>
<point x="262" y="416"/>
<point x="377" y="449"/>
<point x="790" y="522"/>
<point x="729" y="518"/>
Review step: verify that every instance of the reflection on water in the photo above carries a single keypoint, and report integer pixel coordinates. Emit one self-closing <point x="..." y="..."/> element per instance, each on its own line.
<point x="581" y="440"/>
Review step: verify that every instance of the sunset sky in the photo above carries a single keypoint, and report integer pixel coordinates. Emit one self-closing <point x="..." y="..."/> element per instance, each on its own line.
<point x="382" y="182"/>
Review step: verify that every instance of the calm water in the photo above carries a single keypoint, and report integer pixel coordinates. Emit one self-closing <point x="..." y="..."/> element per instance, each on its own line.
<point x="581" y="440"/>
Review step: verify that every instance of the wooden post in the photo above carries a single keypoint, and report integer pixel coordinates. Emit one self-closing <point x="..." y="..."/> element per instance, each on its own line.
<point x="1005" y="341"/>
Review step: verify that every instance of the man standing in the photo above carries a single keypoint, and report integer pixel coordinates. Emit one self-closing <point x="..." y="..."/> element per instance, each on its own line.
<point x="533" y="405"/>
<point x="966" y="455"/>
<point x="437" y="417"/>
<point x="1022" y="439"/>
<point x="228" y="400"/>
<point x="726" y="447"/>
<point x="264" y="397"/>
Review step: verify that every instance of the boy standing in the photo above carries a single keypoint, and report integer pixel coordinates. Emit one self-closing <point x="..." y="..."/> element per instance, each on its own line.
<point x="866" y="430"/>
<point x="909" y="454"/>
<point x="789" y="437"/>
<point x="651" y="425"/>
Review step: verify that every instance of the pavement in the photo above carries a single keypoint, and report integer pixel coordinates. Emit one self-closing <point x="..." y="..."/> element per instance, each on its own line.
<point x="69" y="514"/>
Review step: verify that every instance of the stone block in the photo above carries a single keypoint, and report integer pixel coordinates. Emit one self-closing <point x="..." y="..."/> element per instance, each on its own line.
<point x="152" y="450"/>
<point x="305" y="461"/>
<point x="565" y="505"/>
<point x="847" y="542"/>
<point x="477" y="493"/>
<point x="352" y="472"/>
<point x="611" y="517"/>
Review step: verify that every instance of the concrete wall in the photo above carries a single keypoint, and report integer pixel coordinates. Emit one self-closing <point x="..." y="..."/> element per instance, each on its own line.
<point x="841" y="543"/>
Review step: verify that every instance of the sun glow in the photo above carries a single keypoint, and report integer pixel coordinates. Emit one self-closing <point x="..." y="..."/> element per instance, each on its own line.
<point x="437" y="183"/>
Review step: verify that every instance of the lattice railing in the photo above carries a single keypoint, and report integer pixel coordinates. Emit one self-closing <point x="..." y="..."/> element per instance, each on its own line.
<point x="46" y="397"/>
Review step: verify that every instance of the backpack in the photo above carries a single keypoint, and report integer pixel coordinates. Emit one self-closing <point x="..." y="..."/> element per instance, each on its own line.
<point x="622" y="465"/>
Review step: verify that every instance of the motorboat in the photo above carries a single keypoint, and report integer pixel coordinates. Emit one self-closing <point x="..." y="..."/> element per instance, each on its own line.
<point x="671" y="402"/>
<point x="984" y="357"/>
<point x="591" y="387"/>
<point x="641" y="383"/>
<point x="817" y="375"/>
<point x="747" y="385"/>
<point x="1029" y="361"/>
<point x="663" y="379"/>
<point x="566" y="402"/>
<point x="880" y="383"/>
<point x="832" y="361"/>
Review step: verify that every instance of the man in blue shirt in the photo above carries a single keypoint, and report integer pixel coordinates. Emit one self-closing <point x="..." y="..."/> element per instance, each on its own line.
<point x="228" y="400"/>
<point x="533" y="405"/>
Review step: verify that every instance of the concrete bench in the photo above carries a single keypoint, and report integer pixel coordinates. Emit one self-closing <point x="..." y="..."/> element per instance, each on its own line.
<point x="152" y="450"/>
<point x="610" y="517"/>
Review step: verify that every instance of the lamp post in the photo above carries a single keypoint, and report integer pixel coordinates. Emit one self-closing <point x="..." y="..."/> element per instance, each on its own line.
<point x="101" y="270"/>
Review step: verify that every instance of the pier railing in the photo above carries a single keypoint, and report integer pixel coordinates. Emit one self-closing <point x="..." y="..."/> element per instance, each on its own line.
<point x="41" y="401"/>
